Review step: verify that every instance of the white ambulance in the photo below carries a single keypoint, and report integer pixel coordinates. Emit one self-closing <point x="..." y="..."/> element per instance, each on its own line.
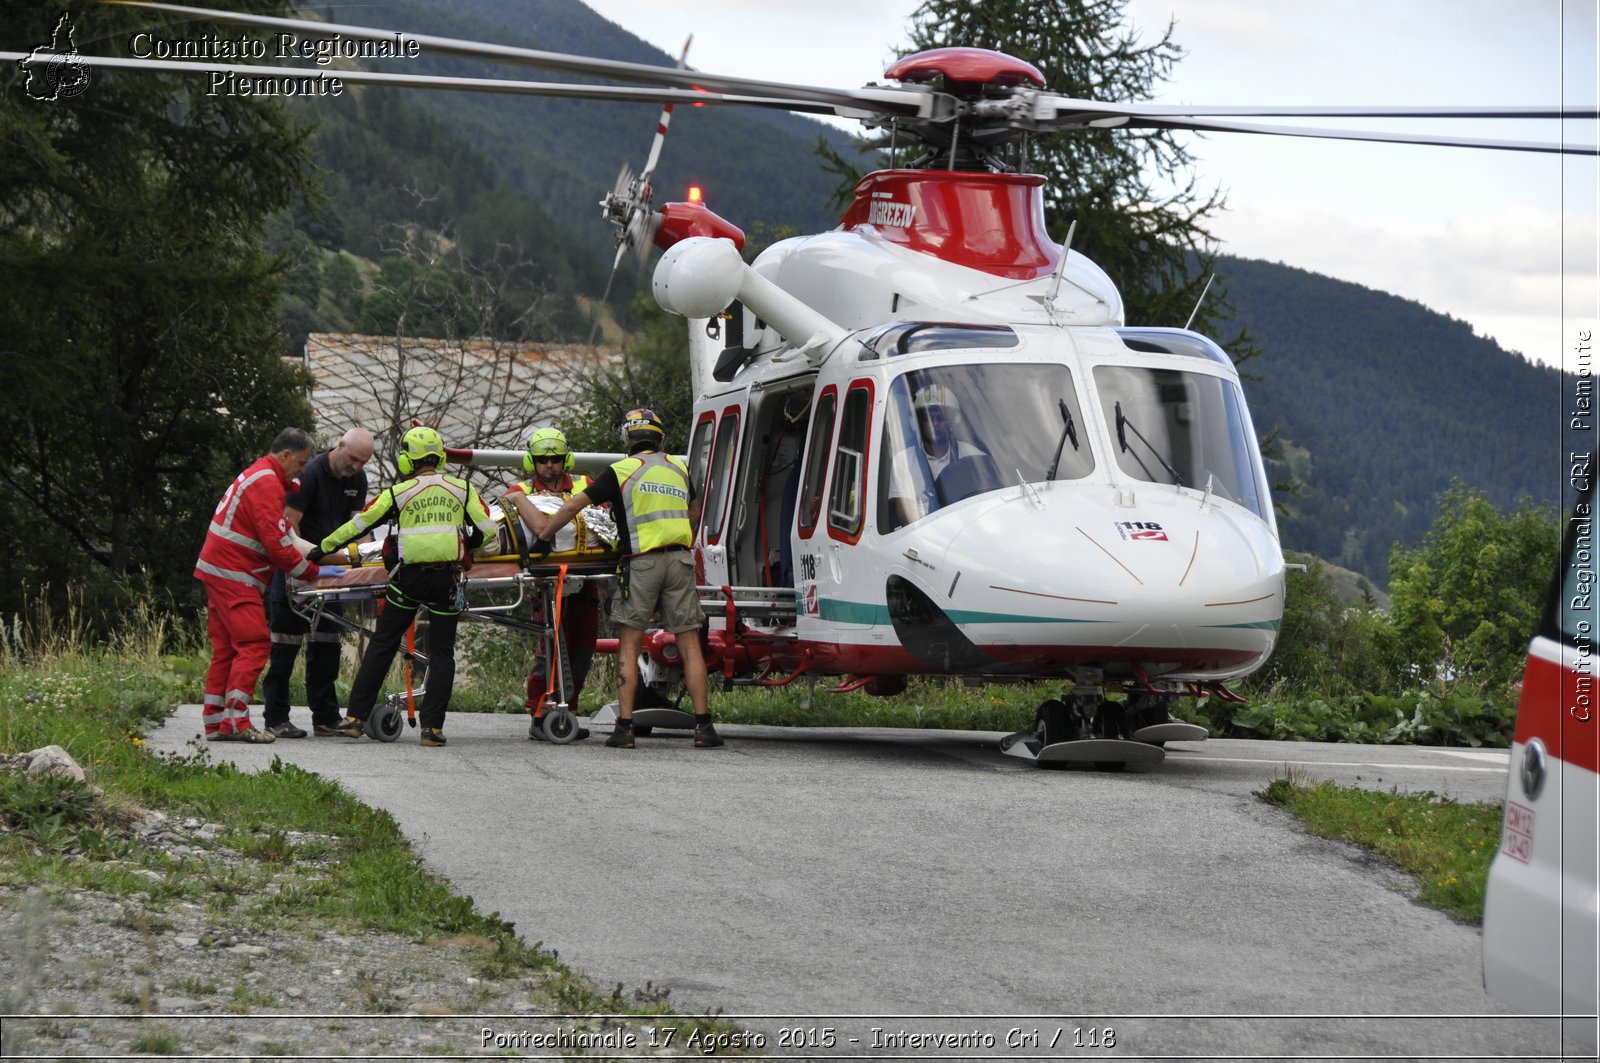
<point x="1541" y="940"/>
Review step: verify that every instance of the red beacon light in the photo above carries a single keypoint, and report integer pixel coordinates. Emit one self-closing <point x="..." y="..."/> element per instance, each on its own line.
<point x="679" y="221"/>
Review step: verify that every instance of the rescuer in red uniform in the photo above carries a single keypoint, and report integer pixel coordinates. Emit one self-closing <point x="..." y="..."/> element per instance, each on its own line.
<point x="248" y="538"/>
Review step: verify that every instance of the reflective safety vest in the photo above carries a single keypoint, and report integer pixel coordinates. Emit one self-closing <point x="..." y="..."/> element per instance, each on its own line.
<point x="428" y="513"/>
<point x="248" y="536"/>
<point x="655" y="499"/>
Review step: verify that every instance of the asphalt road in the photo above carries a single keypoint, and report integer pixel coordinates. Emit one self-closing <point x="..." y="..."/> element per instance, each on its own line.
<point x="893" y="886"/>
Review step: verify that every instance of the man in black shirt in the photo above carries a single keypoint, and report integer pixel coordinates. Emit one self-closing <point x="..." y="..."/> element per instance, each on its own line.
<point x="332" y="488"/>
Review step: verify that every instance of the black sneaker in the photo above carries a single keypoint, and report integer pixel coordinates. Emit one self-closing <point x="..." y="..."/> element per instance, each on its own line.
<point x="327" y="730"/>
<point x="706" y="737"/>
<point x="286" y="730"/>
<point x="433" y="736"/>
<point x="622" y="737"/>
<point x="535" y="732"/>
<point x="350" y="727"/>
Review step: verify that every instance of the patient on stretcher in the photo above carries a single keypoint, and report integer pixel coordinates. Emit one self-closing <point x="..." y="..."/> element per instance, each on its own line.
<point x="590" y="537"/>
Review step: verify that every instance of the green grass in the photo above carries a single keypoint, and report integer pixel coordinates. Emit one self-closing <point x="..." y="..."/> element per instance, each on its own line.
<point x="97" y="701"/>
<point x="1444" y="845"/>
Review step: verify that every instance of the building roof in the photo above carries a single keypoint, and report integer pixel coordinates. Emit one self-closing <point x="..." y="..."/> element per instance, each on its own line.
<point x="477" y="393"/>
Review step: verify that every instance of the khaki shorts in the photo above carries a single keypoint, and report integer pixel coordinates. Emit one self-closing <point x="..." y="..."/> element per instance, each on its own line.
<point x="661" y="590"/>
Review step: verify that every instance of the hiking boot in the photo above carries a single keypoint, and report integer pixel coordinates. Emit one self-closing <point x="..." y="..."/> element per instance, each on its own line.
<point x="622" y="737"/>
<point x="286" y="730"/>
<point x="433" y="736"/>
<point x="350" y="727"/>
<point x="250" y="734"/>
<point x="706" y="737"/>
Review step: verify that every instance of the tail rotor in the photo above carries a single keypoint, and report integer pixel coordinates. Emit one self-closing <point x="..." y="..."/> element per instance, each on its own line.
<point x="627" y="205"/>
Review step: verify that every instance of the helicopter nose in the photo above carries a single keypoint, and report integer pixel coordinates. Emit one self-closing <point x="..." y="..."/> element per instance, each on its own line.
<point x="1062" y="573"/>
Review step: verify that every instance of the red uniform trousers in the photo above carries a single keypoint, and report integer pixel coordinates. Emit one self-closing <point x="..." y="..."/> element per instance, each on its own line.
<point x="236" y="620"/>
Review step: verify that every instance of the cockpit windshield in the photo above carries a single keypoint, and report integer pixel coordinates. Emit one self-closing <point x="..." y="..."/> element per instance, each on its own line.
<point x="1187" y="429"/>
<point x="954" y="431"/>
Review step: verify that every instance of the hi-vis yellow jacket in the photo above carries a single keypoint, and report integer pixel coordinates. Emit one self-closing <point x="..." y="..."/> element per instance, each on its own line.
<point x="655" y="499"/>
<point x="429" y="513"/>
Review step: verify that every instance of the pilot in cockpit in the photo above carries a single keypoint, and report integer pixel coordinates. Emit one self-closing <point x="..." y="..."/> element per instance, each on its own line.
<point x="937" y="468"/>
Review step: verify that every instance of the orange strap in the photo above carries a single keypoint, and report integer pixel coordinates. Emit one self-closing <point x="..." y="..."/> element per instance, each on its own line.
<point x="411" y="647"/>
<point x="555" y="638"/>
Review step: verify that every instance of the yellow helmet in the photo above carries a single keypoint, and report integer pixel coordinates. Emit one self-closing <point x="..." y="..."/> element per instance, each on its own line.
<point x="418" y="445"/>
<point x="547" y="443"/>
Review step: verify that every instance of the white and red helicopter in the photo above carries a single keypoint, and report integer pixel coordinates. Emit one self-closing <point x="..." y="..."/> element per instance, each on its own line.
<point x="927" y="441"/>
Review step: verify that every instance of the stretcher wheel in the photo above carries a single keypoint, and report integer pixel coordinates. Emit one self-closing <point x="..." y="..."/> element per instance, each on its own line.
<point x="385" y="723"/>
<point x="559" y="726"/>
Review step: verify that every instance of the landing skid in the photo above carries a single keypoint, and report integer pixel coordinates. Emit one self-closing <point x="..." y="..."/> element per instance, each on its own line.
<point x="1085" y="728"/>
<point x="1102" y="752"/>
<point x="645" y="720"/>
<point x="1171" y="731"/>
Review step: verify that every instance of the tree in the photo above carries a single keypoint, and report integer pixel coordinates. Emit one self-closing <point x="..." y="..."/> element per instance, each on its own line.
<point x="653" y="372"/>
<point x="1467" y="598"/>
<point x="138" y="312"/>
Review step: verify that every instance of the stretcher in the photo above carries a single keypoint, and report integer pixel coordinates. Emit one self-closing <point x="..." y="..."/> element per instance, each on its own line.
<point x="504" y="585"/>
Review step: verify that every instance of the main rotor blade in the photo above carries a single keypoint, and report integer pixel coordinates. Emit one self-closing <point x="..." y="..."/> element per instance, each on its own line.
<point x="1067" y="109"/>
<point x="838" y="101"/>
<point x="1376" y="136"/>
<point x="427" y="81"/>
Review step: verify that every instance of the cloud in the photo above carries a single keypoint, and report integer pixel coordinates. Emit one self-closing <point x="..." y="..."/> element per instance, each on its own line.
<point x="1507" y="271"/>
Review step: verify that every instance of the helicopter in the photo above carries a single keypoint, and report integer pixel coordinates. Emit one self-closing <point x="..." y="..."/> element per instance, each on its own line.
<point x="927" y="442"/>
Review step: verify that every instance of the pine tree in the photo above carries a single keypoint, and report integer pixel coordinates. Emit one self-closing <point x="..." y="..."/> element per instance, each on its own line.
<point x="1155" y="246"/>
<point x="138" y="312"/>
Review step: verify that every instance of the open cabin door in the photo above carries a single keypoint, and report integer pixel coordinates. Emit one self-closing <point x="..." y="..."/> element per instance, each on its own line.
<point x="760" y="525"/>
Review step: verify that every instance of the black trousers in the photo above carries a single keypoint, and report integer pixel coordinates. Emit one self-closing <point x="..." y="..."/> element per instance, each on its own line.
<point x="413" y="587"/>
<point x="289" y="630"/>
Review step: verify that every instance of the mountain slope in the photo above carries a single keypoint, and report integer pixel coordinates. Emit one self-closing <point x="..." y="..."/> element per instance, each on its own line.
<point x="1381" y="402"/>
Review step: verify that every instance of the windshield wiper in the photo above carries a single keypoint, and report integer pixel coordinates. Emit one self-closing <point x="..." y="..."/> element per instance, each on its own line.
<point x="1068" y="431"/>
<point x="1123" y="426"/>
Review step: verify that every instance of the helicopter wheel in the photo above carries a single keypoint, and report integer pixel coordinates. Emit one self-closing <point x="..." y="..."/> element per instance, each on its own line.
<point x="559" y="726"/>
<point x="1054" y="721"/>
<point x="385" y="723"/>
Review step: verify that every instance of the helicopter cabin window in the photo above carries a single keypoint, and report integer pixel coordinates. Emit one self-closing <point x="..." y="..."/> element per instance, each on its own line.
<point x="914" y="337"/>
<point x="721" y="473"/>
<point x="700" y="454"/>
<point x="1186" y="429"/>
<point x="955" y="431"/>
<point x="817" y="462"/>
<point x="845" y="511"/>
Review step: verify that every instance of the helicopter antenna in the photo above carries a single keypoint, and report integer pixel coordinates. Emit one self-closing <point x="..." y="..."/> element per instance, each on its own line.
<point x="1061" y="266"/>
<point x="1200" y="300"/>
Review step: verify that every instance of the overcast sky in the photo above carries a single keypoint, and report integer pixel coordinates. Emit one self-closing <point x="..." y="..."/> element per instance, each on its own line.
<point x="1505" y="241"/>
